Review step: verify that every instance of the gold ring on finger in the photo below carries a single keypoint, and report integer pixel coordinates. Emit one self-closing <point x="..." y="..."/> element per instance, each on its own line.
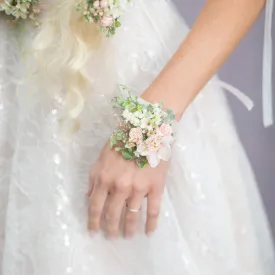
<point x="133" y="210"/>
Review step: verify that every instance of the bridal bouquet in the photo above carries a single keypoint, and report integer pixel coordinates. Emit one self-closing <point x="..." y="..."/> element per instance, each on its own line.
<point x="21" y="9"/>
<point x="145" y="131"/>
<point x="105" y="13"/>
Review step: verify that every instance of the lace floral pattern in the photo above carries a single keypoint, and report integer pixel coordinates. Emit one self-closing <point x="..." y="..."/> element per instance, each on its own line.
<point x="212" y="220"/>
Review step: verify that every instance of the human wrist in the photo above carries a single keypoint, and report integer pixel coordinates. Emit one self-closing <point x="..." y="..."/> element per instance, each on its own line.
<point x="171" y="100"/>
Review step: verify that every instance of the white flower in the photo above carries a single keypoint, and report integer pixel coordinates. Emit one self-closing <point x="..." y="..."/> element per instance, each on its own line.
<point x="144" y="111"/>
<point x="158" y="112"/>
<point x="157" y="120"/>
<point x="164" y="153"/>
<point x="117" y="7"/>
<point x="116" y="12"/>
<point x="149" y="115"/>
<point x="136" y="122"/>
<point x="142" y="149"/>
<point x="156" y="148"/>
<point x="126" y="114"/>
<point x="153" y="143"/>
<point x="132" y="119"/>
<point x="145" y="122"/>
<point x="139" y="114"/>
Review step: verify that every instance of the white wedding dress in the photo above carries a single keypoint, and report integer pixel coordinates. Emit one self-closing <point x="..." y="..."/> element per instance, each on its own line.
<point x="212" y="220"/>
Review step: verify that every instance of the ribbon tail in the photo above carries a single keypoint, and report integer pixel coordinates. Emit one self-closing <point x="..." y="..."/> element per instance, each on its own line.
<point x="244" y="99"/>
<point x="267" y="67"/>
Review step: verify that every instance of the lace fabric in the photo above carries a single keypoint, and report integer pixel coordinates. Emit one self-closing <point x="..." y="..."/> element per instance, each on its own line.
<point x="212" y="220"/>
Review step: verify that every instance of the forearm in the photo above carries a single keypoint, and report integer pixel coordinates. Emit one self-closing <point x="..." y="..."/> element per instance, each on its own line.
<point x="216" y="33"/>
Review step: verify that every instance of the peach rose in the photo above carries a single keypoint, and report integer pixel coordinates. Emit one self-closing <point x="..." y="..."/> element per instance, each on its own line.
<point x="106" y="21"/>
<point x="135" y="135"/>
<point x="165" y="129"/>
<point x="96" y="4"/>
<point x="104" y="3"/>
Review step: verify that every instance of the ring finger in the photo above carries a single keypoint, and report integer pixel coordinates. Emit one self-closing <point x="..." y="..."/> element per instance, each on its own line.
<point x="132" y="214"/>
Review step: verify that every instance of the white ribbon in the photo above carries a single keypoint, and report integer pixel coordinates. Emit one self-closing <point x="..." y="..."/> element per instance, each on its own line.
<point x="243" y="98"/>
<point x="267" y="66"/>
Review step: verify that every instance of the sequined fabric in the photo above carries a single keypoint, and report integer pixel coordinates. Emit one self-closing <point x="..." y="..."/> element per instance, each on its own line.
<point x="212" y="221"/>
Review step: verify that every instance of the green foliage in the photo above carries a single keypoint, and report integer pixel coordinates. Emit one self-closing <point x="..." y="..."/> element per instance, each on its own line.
<point x="113" y="142"/>
<point x="117" y="23"/>
<point x="141" y="162"/>
<point x="119" y="134"/>
<point x="127" y="154"/>
<point x="171" y="115"/>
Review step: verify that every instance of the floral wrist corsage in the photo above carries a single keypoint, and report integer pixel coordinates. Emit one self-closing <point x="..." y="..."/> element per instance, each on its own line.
<point x="105" y="13"/>
<point x="21" y="9"/>
<point x="145" y="132"/>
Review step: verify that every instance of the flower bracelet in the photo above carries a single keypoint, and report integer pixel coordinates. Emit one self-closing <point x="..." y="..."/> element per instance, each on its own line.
<point x="145" y="131"/>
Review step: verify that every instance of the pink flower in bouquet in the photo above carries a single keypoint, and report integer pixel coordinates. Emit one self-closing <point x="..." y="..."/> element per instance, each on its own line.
<point x="165" y="129"/>
<point x="96" y="4"/>
<point x="106" y="21"/>
<point x="156" y="148"/>
<point x="135" y="135"/>
<point x="104" y="3"/>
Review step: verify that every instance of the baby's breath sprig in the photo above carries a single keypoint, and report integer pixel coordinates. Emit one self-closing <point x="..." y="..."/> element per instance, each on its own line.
<point x="21" y="9"/>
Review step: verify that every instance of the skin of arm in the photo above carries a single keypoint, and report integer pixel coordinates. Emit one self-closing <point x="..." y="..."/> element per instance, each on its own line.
<point x="216" y="33"/>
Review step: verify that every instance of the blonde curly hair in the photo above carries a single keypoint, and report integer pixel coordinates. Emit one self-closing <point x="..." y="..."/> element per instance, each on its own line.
<point x="62" y="46"/>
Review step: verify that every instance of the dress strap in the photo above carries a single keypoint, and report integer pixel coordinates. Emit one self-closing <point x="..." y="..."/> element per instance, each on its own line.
<point x="267" y="66"/>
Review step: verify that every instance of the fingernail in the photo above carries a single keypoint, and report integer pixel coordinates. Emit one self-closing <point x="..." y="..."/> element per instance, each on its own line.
<point x="92" y="233"/>
<point x="128" y="236"/>
<point x="110" y="237"/>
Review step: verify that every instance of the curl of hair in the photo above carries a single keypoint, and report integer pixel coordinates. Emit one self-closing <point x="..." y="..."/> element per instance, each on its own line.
<point x="62" y="46"/>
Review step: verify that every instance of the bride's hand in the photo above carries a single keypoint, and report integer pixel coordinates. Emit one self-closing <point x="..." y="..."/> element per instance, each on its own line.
<point x="115" y="182"/>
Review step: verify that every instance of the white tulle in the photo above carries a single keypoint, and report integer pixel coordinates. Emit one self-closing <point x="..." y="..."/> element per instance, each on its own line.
<point x="212" y="220"/>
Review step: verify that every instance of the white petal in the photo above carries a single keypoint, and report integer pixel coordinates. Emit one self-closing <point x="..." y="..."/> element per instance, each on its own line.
<point x="167" y="140"/>
<point x="153" y="160"/>
<point x="175" y="126"/>
<point x="142" y="149"/>
<point x="164" y="153"/>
